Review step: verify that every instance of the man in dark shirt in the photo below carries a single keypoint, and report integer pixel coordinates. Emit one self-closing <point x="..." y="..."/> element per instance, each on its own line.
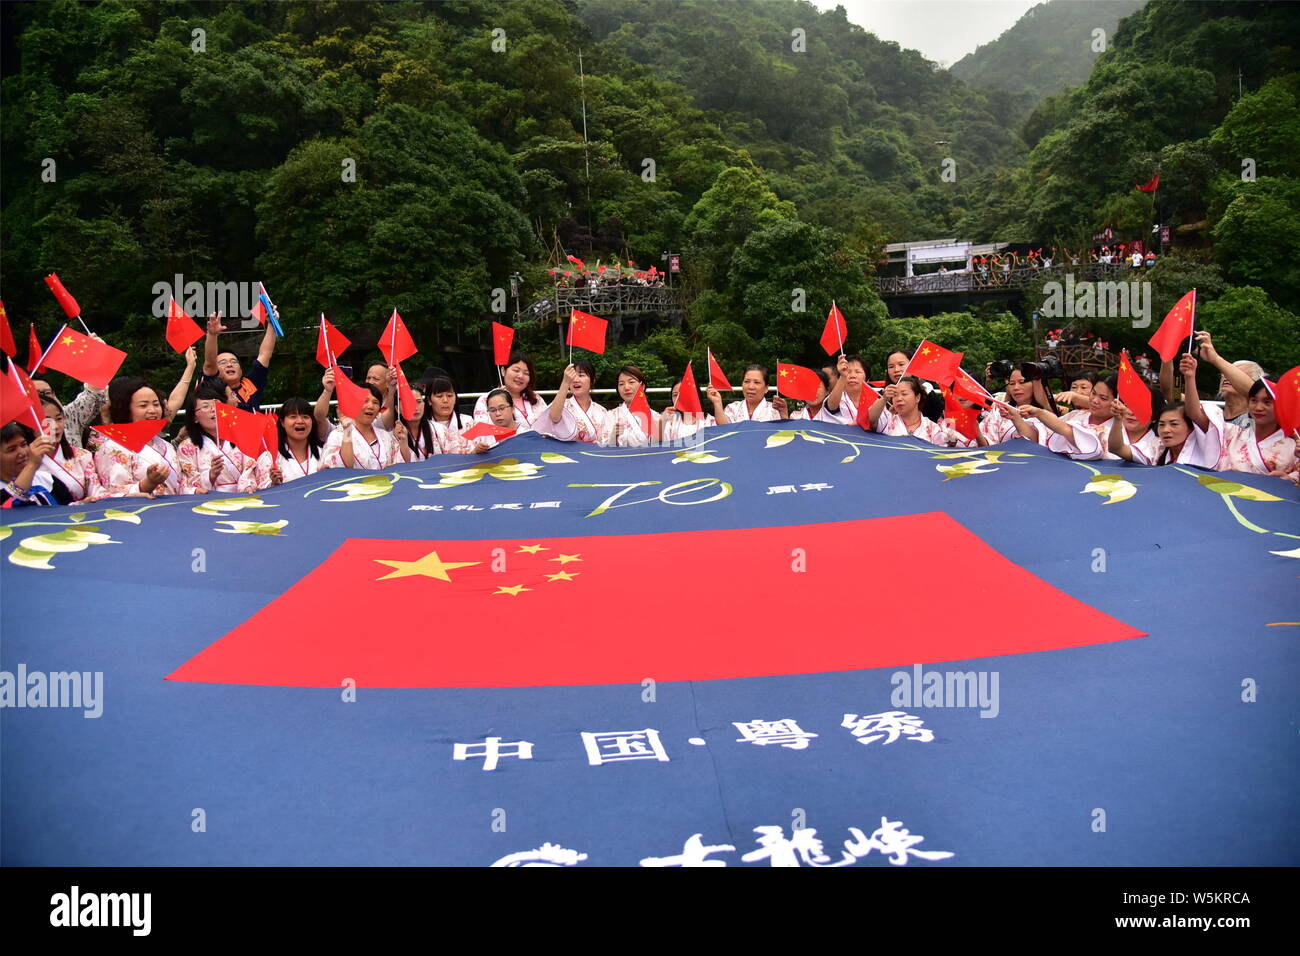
<point x="223" y="369"/>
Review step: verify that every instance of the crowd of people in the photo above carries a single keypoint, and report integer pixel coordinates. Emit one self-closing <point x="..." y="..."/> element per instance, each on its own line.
<point x="999" y="266"/>
<point x="69" y="461"/>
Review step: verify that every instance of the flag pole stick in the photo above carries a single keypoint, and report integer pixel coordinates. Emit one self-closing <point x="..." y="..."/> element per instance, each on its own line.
<point x="47" y="350"/>
<point x="40" y="427"/>
<point x="1191" y="332"/>
<point x="839" y="337"/>
<point x="83" y="325"/>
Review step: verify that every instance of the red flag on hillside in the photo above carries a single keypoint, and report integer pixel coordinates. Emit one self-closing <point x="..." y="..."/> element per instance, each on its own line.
<point x="835" y="332"/>
<point x="716" y="378"/>
<point x="1152" y="185"/>
<point x="351" y="395"/>
<point x="405" y="395"/>
<point x="18" y="398"/>
<point x="487" y="430"/>
<point x="330" y="343"/>
<point x="7" y="343"/>
<point x="1286" y="401"/>
<point x="395" y="341"/>
<point x="577" y="262"/>
<point x="587" y="331"/>
<point x="688" y="396"/>
<point x="33" y="350"/>
<point x="934" y="363"/>
<point x="182" y="331"/>
<point x="966" y="386"/>
<point x="84" y="358"/>
<point x="134" y="435"/>
<point x="965" y="420"/>
<point x="69" y="304"/>
<point x="795" y="381"/>
<point x="640" y="409"/>
<point x="503" y="337"/>
<point x="1133" y="391"/>
<point x="1176" y="327"/>
<point x="242" y="429"/>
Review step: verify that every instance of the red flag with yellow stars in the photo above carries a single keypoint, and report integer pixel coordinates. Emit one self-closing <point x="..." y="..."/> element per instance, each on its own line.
<point x="717" y="379"/>
<point x="965" y="420"/>
<point x="503" y="337"/>
<point x="868" y="398"/>
<point x="395" y="341"/>
<point x="1286" y="401"/>
<point x="1175" y="328"/>
<point x="934" y="363"/>
<point x="1133" y="391"/>
<point x="244" y="430"/>
<point x="835" y="332"/>
<point x="182" y="331"/>
<point x="83" y="358"/>
<point x="640" y="409"/>
<point x="7" y="343"/>
<point x="64" y="297"/>
<point x="587" y="331"/>
<point x="688" y="396"/>
<point x="271" y="436"/>
<point x="405" y="396"/>
<point x="18" y="398"/>
<point x="797" y="382"/>
<point x="330" y="343"/>
<point x="33" y="350"/>
<point x="133" y="435"/>
<point x="352" y="397"/>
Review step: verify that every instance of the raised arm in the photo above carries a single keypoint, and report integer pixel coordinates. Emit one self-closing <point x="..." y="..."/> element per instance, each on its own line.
<point x="1191" y="398"/>
<point x="210" y="344"/>
<point x="1167" y="380"/>
<point x="1239" y="378"/>
<point x="878" y="405"/>
<point x="1116" y="441"/>
<point x="556" y="408"/>
<point x="267" y="347"/>
<point x="177" y="398"/>
<point x="321" y="411"/>
<point x="833" y="399"/>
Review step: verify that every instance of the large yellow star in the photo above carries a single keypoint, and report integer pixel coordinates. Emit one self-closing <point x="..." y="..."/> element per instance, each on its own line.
<point x="530" y="549"/>
<point x="562" y="576"/>
<point x="514" y="589"/>
<point x="566" y="558"/>
<point x="66" y="340"/>
<point x="429" y="566"/>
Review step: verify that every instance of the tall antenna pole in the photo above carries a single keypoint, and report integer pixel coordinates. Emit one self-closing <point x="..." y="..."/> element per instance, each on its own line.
<point x="582" y="82"/>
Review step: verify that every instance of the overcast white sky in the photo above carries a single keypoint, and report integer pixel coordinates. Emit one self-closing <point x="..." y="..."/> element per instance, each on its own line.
<point x="944" y="30"/>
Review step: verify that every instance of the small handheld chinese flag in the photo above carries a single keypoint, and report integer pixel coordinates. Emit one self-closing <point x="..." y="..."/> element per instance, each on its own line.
<point x="330" y="343"/>
<point x="965" y="420"/>
<point x="716" y="378"/>
<point x="965" y="386"/>
<point x="33" y="350"/>
<point x="352" y="397"/>
<point x="84" y="358"/>
<point x="18" y="398"/>
<point x="1152" y="185"/>
<point x="244" y="430"/>
<point x="70" y="307"/>
<point x="182" y="331"/>
<point x="577" y="262"/>
<point x="835" y="333"/>
<point x="396" y="342"/>
<point x="1286" y="401"/>
<point x="1133" y="392"/>
<point x="688" y="396"/>
<point x="795" y="381"/>
<point x="1176" y="327"/>
<point x="587" y="331"/>
<point x="487" y="430"/>
<point x="503" y="337"/>
<point x="405" y="395"/>
<point x="7" y="343"/>
<point x="640" y="409"/>
<point x="934" y="363"/>
<point x="271" y="436"/>
<point x="134" y="435"/>
<point x="868" y="398"/>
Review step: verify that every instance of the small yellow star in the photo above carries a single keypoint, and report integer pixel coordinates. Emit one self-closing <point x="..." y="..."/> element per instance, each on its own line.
<point x="566" y="558"/>
<point x="66" y="340"/>
<point x="515" y="589"/>
<point x="530" y="549"/>
<point x="429" y="566"/>
<point x="562" y="576"/>
<point x="925" y="351"/>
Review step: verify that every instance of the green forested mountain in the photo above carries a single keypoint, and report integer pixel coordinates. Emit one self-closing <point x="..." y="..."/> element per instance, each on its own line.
<point x="360" y="156"/>
<point x="1050" y="48"/>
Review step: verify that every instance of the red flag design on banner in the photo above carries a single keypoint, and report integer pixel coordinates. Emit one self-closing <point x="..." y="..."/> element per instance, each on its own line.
<point x="934" y="363"/>
<point x="503" y="337"/>
<point x="1286" y="402"/>
<point x="134" y="435"/>
<point x="587" y="331"/>
<point x="7" y="343"/>
<point x="835" y="333"/>
<point x="688" y="396"/>
<point x="795" y="381"/>
<point x="965" y="420"/>
<point x="64" y="297"/>
<point x="716" y="378"/>
<point x="396" y="342"/>
<point x="1151" y="186"/>
<point x="83" y="358"/>
<point x="18" y="399"/>
<point x="33" y="350"/>
<point x="242" y="429"/>
<point x="307" y="636"/>
<point x="352" y="397"/>
<point x="1133" y="391"/>
<point x="487" y="430"/>
<point x="1176" y="327"/>
<point x="405" y="395"/>
<point x="640" y="409"/>
<point x="330" y="343"/>
<point x="182" y="331"/>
